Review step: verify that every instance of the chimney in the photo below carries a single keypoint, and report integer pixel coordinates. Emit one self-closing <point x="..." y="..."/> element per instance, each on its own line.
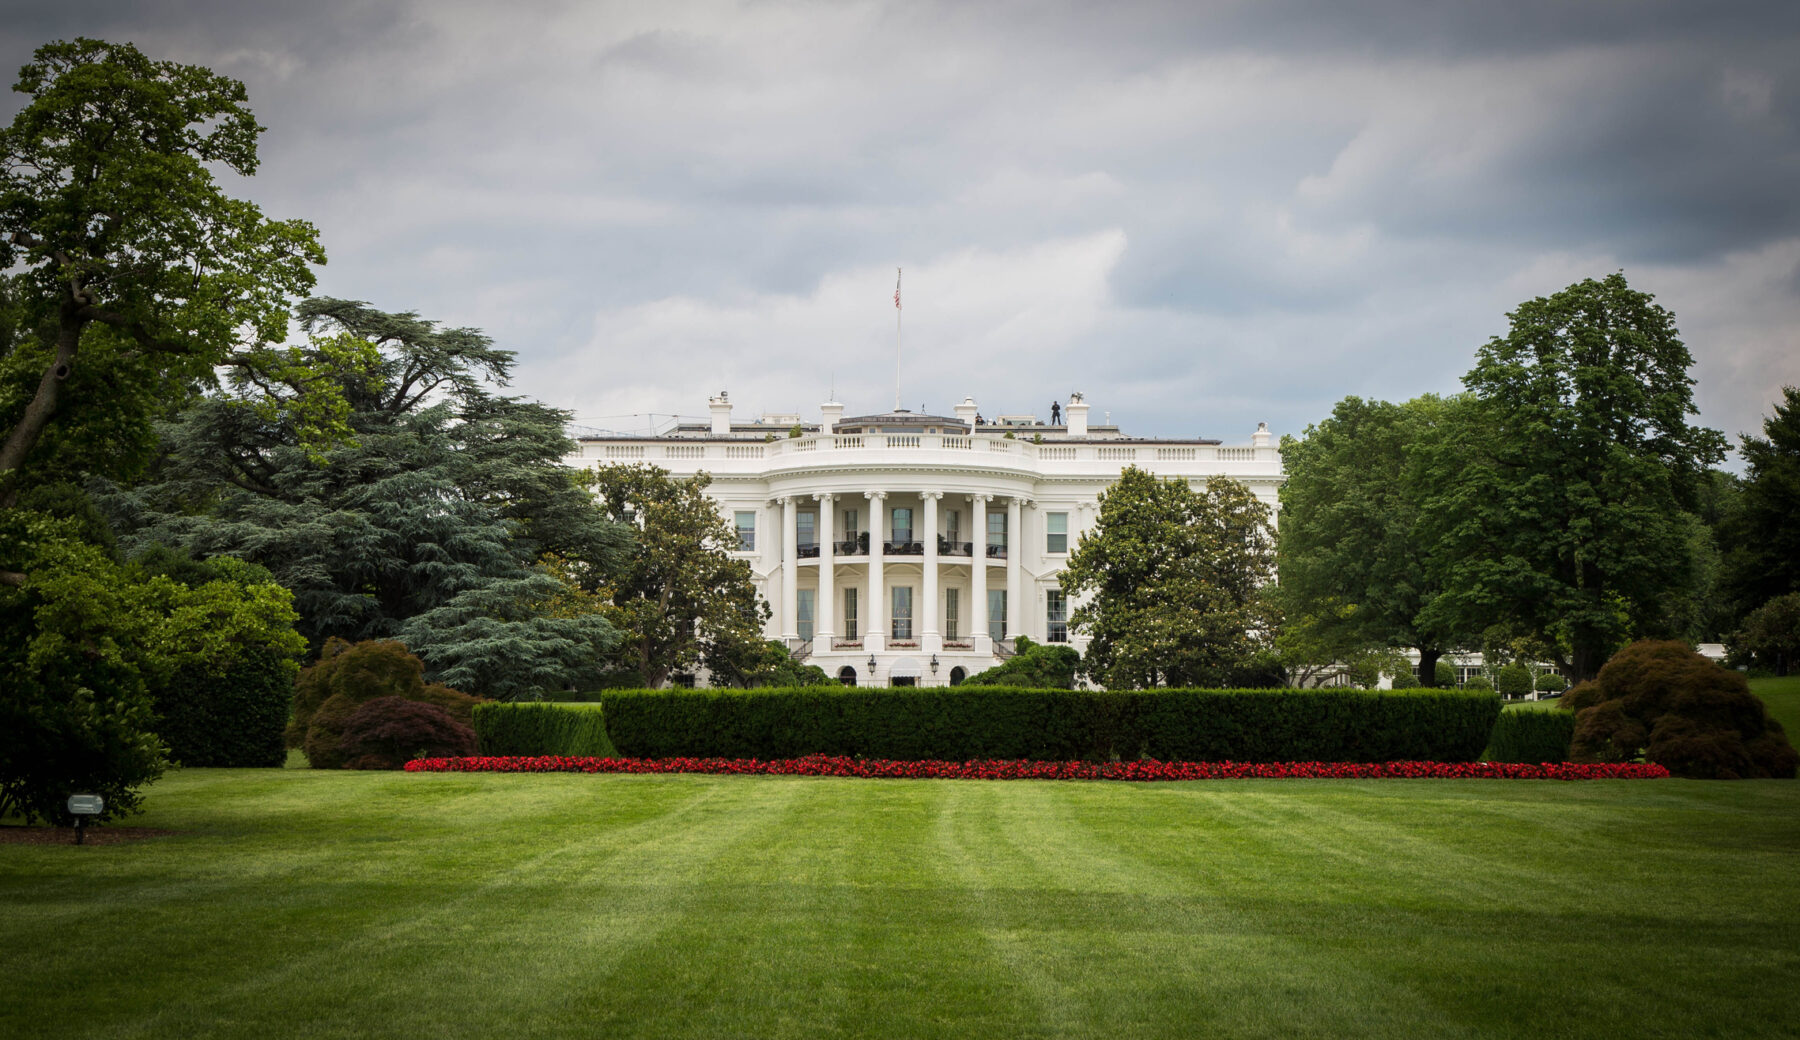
<point x="1076" y="416"/>
<point x="830" y="414"/>
<point x="965" y="412"/>
<point x="1261" y="437"/>
<point x="721" y="413"/>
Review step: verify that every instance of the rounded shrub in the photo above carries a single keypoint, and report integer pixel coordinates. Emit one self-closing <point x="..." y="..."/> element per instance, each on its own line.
<point x="349" y="675"/>
<point x="1662" y="701"/>
<point x="1550" y="682"/>
<point x="1514" y="681"/>
<point x="388" y="732"/>
<point x="1406" y="681"/>
<point x="1445" y="674"/>
<point x="1479" y="682"/>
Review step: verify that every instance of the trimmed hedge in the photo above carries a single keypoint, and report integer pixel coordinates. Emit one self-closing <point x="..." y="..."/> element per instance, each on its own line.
<point x="957" y="724"/>
<point x="542" y="728"/>
<point x="1532" y="736"/>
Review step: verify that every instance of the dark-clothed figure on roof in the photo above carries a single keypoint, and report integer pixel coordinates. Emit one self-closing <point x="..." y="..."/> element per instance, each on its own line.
<point x="1055" y="413"/>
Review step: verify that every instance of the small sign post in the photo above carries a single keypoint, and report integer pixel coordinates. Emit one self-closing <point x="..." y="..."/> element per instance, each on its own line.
<point x="82" y="806"/>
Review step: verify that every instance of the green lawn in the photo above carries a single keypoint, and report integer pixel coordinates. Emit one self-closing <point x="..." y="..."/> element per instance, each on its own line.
<point x="304" y="904"/>
<point x="1783" y="698"/>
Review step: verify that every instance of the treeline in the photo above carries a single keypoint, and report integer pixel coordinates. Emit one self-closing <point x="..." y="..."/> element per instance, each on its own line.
<point x="192" y="504"/>
<point x="1561" y="506"/>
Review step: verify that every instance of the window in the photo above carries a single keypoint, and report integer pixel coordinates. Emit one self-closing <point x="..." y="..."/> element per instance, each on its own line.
<point x="746" y="530"/>
<point x="997" y="614"/>
<point x="952" y="525"/>
<point x="996" y="534"/>
<point x="902" y="599"/>
<point x="1056" y="617"/>
<point x="850" y="528"/>
<point x="1056" y="532"/>
<point x="850" y="629"/>
<point x="847" y="675"/>
<point x="952" y="608"/>
<point x="903" y="524"/>
<point x="957" y="675"/>
<point x="807" y="525"/>
<point x="803" y="612"/>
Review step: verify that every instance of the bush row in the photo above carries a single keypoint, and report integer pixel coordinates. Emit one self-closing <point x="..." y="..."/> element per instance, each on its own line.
<point x="542" y="729"/>
<point x="1050" y="725"/>
<point x="1531" y="736"/>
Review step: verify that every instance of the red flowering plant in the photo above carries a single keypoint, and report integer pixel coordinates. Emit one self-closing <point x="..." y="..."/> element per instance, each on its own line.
<point x="1027" y="769"/>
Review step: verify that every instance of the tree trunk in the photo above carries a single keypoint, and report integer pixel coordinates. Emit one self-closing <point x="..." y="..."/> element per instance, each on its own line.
<point x="39" y="412"/>
<point x="1428" y="660"/>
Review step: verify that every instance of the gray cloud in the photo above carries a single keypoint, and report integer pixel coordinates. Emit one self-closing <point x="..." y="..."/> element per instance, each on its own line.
<point x="1202" y="215"/>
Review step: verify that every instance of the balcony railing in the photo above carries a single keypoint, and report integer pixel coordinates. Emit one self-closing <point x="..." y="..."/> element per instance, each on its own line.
<point x="858" y="546"/>
<point x="996" y="552"/>
<point x="946" y="547"/>
<point x="808" y="550"/>
<point x="903" y="547"/>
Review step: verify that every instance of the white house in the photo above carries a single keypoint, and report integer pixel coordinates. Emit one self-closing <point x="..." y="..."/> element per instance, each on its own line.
<point x="909" y="549"/>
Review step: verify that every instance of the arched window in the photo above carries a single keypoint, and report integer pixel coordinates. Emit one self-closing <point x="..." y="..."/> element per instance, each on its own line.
<point x="957" y="675"/>
<point x="847" y="675"/>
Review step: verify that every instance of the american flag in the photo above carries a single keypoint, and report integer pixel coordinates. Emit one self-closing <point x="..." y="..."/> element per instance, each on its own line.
<point x="896" y="287"/>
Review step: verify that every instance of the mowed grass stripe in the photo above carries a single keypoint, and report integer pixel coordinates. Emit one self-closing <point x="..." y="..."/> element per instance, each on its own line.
<point x="342" y="904"/>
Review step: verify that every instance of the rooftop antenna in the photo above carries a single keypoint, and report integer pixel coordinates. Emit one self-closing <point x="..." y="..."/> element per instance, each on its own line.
<point x="896" y="339"/>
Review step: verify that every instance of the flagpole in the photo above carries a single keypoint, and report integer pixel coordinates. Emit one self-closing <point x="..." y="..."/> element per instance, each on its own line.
<point x="896" y="339"/>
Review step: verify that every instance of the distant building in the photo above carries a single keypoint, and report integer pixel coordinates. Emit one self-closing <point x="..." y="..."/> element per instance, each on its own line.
<point x="910" y="549"/>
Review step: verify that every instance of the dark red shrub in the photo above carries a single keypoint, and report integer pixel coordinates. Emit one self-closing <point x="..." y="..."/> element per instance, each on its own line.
<point x="349" y="675"/>
<point x="1665" y="702"/>
<point x="388" y="732"/>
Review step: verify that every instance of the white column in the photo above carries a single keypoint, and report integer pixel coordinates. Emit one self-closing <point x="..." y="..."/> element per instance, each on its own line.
<point x="1015" y="548"/>
<point x="825" y="605"/>
<point x="931" y="638"/>
<point x="875" y="636"/>
<point x="790" y="569"/>
<point x="983" y="644"/>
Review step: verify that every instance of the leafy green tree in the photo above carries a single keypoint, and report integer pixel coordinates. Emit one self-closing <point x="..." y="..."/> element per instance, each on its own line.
<point x="78" y="649"/>
<point x="1354" y="557"/>
<point x="1563" y="510"/>
<point x="1770" y="636"/>
<point x="681" y="599"/>
<point x="1172" y="579"/>
<point x="133" y="277"/>
<point x="428" y="525"/>
<point x="765" y="662"/>
<point x="1033" y="666"/>
<point x="1763" y="558"/>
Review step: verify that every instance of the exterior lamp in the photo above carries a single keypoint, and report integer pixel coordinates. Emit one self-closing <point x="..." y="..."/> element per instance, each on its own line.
<point x="82" y="806"/>
<point x="934" y="664"/>
<point x="871" y="664"/>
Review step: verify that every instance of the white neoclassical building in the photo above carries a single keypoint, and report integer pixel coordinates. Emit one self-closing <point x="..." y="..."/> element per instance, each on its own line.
<point x="910" y="549"/>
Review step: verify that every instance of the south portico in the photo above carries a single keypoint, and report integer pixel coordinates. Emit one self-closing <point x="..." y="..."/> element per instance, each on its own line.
<point x="923" y="577"/>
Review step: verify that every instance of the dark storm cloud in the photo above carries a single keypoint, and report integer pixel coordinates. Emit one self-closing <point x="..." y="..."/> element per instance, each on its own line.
<point x="1204" y="215"/>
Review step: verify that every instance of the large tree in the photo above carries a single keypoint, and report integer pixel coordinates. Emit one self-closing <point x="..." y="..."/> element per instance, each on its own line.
<point x="1762" y="558"/>
<point x="1564" y="508"/>
<point x="1354" y="558"/>
<point x="1171" y="583"/>
<point x="132" y="277"/>
<point x="428" y="524"/>
<point x="681" y="599"/>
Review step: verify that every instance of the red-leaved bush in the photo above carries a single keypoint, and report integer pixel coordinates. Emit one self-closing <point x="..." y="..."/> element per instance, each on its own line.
<point x="388" y="731"/>
<point x="1028" y="769"/>
<point x="1668" y="704"/>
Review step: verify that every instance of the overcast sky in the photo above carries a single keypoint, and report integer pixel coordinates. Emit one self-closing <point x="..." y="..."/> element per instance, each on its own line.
<point x="1201" y="215"/>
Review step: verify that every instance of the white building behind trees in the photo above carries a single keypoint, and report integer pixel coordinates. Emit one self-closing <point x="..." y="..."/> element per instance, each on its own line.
<point x="911" y="549"/>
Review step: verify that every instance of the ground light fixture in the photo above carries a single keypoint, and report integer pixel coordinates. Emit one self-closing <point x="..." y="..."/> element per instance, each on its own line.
<point x="82" y="806"/>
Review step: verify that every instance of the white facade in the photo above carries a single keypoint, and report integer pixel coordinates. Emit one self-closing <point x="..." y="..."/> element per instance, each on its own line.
<point x="919" y="544"/>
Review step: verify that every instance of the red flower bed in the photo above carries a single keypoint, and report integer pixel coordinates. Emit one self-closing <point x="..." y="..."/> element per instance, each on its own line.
<point x="826" y="765"/>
